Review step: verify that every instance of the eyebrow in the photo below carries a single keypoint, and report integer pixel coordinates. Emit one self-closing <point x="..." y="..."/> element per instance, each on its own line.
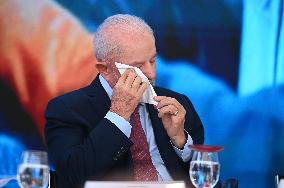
<point x="141" y="62"/>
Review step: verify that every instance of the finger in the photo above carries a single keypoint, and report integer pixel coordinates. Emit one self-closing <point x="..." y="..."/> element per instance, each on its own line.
<point x="159" y="98"/>
<point x="130" y="78"/>
<point x="136" y="83"/>
<point x="170" y="109"/>
<point x="123" y="76"/>
<point x="161" y="114"/>
<point x="142" y="88"/>
<point x="169" y="101"/>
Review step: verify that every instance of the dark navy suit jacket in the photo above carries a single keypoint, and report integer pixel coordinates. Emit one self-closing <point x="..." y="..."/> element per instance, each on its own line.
<point x="83" y="145"/>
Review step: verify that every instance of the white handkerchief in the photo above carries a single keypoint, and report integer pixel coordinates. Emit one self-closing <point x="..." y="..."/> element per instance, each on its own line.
<point x="150" y="93"/>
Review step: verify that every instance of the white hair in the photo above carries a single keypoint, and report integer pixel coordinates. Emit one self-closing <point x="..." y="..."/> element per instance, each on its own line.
<point x="105" y="41"/>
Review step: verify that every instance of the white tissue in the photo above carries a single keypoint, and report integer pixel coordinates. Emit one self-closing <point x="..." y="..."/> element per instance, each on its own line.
<point x="149" y="93"/>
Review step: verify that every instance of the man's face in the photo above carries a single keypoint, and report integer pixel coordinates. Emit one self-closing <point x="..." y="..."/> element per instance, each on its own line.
<point x="140" y="51"/>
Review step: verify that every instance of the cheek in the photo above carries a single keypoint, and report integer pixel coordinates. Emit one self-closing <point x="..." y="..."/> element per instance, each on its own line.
<point x="113" y="70"/>
<point x="154" y="67"/>
<point x="113" y="74"/>
<point x="150" y="72"/>
<point x="116" y="74"/>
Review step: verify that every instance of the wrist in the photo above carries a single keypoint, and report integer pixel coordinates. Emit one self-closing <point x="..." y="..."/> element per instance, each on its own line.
<point x="120" y="113"/>
<point x="180" y="140"/>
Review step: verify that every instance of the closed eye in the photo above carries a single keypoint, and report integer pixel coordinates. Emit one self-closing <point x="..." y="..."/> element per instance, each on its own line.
<point x="139" y="65"/>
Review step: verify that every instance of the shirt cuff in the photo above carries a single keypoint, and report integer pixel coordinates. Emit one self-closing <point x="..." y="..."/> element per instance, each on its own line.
<point x="120" y="122"/>
<point x="184" y="153"/>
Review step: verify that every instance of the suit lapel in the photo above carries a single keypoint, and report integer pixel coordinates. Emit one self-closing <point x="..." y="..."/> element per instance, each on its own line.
<point x="98" y="97"/>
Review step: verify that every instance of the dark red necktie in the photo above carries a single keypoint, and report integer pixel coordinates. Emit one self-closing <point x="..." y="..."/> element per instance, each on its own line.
<point x="144" y="169"/>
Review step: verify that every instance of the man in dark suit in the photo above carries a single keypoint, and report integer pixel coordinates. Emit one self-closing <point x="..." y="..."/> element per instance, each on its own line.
<point x="103" y="132"/>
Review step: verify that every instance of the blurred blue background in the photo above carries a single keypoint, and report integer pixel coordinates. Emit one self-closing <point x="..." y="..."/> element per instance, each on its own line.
<point x="227" y="56"/>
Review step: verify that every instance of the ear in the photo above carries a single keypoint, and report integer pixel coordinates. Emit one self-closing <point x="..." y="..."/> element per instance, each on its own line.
<point x="101" y="66"/>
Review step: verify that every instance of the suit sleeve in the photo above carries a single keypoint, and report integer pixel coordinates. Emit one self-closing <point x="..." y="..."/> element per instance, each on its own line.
<point x="193" y="124"/>
<point x="79" y="153"/>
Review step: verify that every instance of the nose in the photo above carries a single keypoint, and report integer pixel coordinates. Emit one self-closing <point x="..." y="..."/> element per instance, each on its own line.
<point x="149" y="69"/>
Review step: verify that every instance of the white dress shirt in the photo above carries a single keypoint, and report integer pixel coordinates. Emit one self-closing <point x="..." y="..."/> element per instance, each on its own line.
<point x="125" y="127"/>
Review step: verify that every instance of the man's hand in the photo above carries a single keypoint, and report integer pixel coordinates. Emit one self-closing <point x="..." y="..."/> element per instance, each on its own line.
<point x="127" y="93"/>
<point x="172" y="114"/>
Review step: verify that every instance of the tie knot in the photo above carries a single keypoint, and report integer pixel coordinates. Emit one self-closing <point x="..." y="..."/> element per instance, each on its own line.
<point x="138" y="106"/>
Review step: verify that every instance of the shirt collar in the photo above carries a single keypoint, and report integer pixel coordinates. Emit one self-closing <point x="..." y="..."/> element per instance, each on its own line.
<point x="106" y="86"/>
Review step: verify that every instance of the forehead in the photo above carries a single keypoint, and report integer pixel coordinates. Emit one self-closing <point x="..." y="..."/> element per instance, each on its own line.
<point x="134" y="44"/>
<point x="136" y="41"/>
<point x="138" y="47"/>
